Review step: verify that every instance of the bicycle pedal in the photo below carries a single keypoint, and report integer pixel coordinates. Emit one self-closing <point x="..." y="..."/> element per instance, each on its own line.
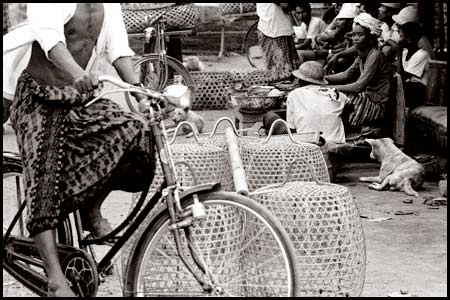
<point x="108" y="272"/>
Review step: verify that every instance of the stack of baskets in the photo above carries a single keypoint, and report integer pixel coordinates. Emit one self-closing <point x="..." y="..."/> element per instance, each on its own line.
<point x="291" y="179"/>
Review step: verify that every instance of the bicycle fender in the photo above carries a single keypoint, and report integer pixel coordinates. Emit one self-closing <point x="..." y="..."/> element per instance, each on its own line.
<point x="201" y="188"/>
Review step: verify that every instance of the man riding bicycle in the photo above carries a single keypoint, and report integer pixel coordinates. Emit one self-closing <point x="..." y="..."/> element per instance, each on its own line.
<point x="73" y="156"/>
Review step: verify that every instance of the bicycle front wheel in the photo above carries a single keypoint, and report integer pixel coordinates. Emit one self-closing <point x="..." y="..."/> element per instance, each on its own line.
<point x="244" y="248"/>
<point x="154" y="75"/>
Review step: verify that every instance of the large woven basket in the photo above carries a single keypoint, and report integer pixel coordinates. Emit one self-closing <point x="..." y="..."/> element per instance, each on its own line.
<point x="137" y="18"/>
<point x="324" y="225"/>
<point x="267" y="161"/>
<point x="212" y="89"/>
<point x="209" y="164"/>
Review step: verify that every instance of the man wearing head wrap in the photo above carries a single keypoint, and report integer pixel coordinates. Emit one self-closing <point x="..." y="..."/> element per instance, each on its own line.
<point x="389" y="32"/>
<point x="366" y="82"/>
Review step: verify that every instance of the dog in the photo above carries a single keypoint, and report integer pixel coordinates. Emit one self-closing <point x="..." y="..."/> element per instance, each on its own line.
<point x="193" y="63"/>
<point x="398" y="171"/>
<point x="185" y="114"/>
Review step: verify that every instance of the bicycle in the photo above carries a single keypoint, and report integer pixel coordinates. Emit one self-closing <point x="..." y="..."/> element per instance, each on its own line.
<point x="156" y="69"/>
<point x="219" y="243"/>
<point x="252" y="48"/>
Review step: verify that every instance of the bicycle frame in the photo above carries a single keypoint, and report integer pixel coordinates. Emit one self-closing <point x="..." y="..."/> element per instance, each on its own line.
<point x="155" y="42"/>
<point x="169" y="191"/>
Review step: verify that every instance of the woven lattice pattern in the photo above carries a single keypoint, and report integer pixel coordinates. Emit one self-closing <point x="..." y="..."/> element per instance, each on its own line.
<point x="218" y="238"/>
<point x="177" y="17"/>
<point x="209" y="164"/>
<point x="227" y="242"/>
<point x="212" y="90"/>
<point x="267" y="163"/>
<point x="237" y="8"/>
<point x="323" y="223"/>
<point x="239" y="76"/>
<point x="257" y="77"/>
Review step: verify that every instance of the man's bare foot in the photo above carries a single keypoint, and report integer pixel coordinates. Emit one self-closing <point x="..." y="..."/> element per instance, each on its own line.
<point x="60" y="290"/>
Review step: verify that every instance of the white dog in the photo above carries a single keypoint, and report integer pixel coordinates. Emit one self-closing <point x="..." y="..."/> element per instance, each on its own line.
<point x="398" y="170"/>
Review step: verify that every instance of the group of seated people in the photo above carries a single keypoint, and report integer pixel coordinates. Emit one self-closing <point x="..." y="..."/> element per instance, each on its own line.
<point x="345" y="68"/>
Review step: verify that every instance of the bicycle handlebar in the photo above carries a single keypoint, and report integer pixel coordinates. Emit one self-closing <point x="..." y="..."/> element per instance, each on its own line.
<point x="125" y="87"/>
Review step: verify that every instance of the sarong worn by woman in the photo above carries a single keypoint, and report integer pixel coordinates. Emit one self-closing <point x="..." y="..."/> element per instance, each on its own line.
<point x="368" y="107"/>
<point x="70" y="153"/>
<point x="275" y="36"/>
<point x="280" y="56"/>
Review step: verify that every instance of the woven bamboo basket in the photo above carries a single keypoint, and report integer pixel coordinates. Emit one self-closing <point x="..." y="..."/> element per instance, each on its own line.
<point x="257" y="77"/>
<point x="209" y="164"/>
<point x="237" y="8"/>
<point x="267" y="161"/>
<point x="324" y="225"/>
<point x="212" y="89"/>
<point x="137" y="18"/>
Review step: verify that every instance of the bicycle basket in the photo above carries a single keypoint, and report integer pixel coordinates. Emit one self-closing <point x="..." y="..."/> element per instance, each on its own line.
<point x="177" y="17"/>
<point x="324" y="225"/>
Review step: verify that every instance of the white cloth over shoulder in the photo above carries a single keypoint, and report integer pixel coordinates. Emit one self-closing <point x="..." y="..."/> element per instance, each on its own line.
<point x="311" y="108"/>
<point x="273" y="22"/>
<point x="45" y="24"/>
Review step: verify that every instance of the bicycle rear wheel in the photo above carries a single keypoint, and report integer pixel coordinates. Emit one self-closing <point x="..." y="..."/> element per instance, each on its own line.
<point x="253" y="49"/>
<point x="13" y="198"/>
<point x="245" y="249"/>
<point x="152" y="74"/>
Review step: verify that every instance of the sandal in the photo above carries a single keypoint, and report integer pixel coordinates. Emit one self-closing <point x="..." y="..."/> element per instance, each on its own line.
<point x="98" y="227"/>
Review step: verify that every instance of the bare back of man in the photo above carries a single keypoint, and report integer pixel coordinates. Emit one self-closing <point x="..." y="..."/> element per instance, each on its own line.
<point x="81" y="34"/>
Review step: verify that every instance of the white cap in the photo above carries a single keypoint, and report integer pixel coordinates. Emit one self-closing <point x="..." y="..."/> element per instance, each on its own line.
<point x="348" y="11"/>
<point x="407" y="14"/>
<point x="391" y="5"/>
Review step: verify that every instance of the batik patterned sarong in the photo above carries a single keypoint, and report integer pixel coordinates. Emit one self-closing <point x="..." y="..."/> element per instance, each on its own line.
<point x="68" y="151"/>
<point x="280" y="56"/>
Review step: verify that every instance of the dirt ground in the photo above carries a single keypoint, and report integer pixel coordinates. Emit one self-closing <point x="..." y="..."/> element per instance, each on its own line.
<point x="407" y="252"/>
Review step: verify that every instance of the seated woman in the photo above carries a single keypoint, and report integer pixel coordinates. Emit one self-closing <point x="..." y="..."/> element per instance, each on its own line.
<point x="313" y="107"/>
<point x="367" y="82"/>
<point x="333" y="39"/>
<point x="309" y="27"/>
<point x="413" y="65"/>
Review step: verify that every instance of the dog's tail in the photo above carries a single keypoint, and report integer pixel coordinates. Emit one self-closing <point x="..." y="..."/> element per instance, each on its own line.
<point x="407" y="188"/>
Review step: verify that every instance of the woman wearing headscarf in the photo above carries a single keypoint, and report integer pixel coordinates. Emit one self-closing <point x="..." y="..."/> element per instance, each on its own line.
<point x="366" y="83"/>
